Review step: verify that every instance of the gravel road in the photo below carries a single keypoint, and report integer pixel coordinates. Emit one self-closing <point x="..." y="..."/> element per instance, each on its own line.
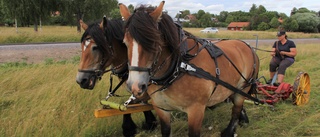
<point x="37" y="53"/>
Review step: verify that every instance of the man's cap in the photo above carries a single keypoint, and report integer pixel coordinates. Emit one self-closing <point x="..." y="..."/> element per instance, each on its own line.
<point x="280" y="33"/>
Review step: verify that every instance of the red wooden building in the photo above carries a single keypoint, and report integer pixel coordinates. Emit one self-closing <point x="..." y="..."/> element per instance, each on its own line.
<point x="238" y="25"/>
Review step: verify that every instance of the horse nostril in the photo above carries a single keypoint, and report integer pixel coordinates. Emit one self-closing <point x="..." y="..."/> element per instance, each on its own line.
<point x="143" y="87"/>
<point x="83" y="81"/>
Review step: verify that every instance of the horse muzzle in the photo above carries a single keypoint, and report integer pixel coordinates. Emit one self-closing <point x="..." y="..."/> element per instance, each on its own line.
<point x="86" y="81"/>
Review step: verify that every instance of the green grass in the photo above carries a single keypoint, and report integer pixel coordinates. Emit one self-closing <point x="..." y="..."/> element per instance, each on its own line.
<point x="44" y="100"/>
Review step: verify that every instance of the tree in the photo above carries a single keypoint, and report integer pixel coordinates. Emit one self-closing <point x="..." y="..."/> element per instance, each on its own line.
<point x="261" y="10"/>
<point x="290" y="24"/>
<point x="223" y="16"/>
<point x="253" y="9"/>
<point x="263" y="26"/>
<point x="229" y="19"/>
<point x="303" y="10"/>
<point x="74" y="10"/>
<point x="274" y="23"/>
<point x="206" y="20"/>
<point x="200" y="14"/>
<point x="29" y="11"/>
<point x="293" y="11"/>
<point x="307" y="22"/>
<point x="131" y="8"/>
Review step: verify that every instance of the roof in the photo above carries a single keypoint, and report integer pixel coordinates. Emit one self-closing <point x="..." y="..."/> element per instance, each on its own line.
<point x="239" y="24"/>
<point x="190" y="17"/>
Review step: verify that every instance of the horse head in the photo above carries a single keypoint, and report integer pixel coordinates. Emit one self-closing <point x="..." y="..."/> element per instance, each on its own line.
<point x="148" y="38"/>
<point x="96" y="54"/>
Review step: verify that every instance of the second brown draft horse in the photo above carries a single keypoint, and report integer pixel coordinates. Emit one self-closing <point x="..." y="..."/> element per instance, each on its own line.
<point x="102" y="47"/>
<point x="186" y="73"/>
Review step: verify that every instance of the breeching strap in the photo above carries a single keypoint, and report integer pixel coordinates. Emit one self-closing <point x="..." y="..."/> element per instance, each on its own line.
<point x="199" y="72"/>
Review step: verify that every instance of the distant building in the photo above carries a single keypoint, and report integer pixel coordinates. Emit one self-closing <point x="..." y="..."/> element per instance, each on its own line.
<point x="238" y="25"/>
<point x="190" y="17"/>
<point x="187" y="18"/>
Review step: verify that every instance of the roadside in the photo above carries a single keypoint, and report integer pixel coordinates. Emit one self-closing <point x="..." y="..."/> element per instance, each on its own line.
<point x="39" y="52"/>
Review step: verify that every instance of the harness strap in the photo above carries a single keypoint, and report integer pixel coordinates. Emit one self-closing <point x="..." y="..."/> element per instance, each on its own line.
<point x="134" y="68"/>
<point x="199" y="72"/>
<point x="112" y="91"/>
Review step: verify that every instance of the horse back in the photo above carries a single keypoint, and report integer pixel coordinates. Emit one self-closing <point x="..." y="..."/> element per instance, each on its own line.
<point x="237" y="59"/>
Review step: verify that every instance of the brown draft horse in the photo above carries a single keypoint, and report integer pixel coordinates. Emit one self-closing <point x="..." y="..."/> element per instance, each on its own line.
<point x="102" y="47"/>
<point x="185" y="74"/>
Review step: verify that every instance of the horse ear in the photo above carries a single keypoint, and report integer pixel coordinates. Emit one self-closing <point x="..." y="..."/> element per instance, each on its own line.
<point x="103" y="22"/>
<point x="156" y="14"/>
<point x="83" y="25"/>
<point x="124" y="11"/>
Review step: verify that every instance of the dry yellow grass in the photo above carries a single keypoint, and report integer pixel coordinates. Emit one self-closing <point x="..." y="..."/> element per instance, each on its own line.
<point x="227" y="34"/>
<point x="46" y="34"/>
<point x="70" y="34"/>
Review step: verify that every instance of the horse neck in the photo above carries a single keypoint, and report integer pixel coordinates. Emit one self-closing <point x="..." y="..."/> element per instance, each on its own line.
<point x="164" y="62"/>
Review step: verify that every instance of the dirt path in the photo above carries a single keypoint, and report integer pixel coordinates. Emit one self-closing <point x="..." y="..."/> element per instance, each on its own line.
<point x="37" y="53"/>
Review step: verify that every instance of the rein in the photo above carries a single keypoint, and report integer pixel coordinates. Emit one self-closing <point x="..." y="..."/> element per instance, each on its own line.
<point x="261" y="49"/>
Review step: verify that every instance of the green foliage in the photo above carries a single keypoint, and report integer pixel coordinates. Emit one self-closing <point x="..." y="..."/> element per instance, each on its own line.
<point x="308" y="22"/>
<point x="13" y="64"/>
<point x="223" y="16"/>
<point x="303" y="10"/>
<point x="200" y="14"/>
<point x="274" y="23"/>
<point x="206" y="20"/>
<point x="49" y="61"/>
<point x="290" y="24"/>
<point x="263" y="26"/>
<point x="229" y="19"/>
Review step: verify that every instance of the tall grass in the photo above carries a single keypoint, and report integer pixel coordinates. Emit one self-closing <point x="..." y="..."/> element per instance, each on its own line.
<point x="46" y="34"/>
<point x="44" y="100"/>
<point x="69" y="34"/>
<point x="227" y="34"/>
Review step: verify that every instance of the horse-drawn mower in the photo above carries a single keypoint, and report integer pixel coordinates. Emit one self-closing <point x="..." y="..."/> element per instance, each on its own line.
<point x="267" y="93"/>
<point x="271" y="94"/>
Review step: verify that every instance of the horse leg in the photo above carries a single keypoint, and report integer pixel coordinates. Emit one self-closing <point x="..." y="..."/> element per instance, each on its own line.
<point x="243" y="119"/>
<point x="151" y="122"/>
<point x="128" y="126"/>
<point x="236" y="112"/>
<point x="195" y="118"/>
<point x="165" y="119"/>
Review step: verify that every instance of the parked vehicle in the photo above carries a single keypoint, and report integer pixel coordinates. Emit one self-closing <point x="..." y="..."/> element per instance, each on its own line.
<point x="209" y="30"/>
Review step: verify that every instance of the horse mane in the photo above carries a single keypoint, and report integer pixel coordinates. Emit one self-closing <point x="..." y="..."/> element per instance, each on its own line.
<point x="151" y="34"/>
<point x="114" y="30"/>
<point x="99" y="37"/>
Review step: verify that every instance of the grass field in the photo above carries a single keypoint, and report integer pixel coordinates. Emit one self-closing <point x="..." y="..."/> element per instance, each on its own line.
<point x="44" y="100"/>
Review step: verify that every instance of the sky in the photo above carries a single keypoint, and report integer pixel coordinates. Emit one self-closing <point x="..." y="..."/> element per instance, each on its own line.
<point x="216" y="6"/>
